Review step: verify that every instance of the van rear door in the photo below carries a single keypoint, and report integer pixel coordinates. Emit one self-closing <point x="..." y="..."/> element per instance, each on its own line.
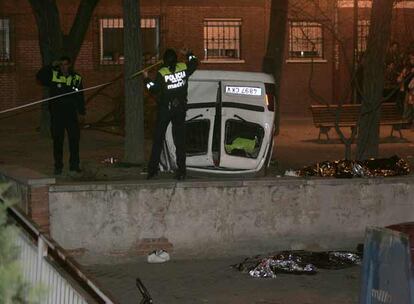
<point x="246" y="125"/>
<point x="200" y="119"/>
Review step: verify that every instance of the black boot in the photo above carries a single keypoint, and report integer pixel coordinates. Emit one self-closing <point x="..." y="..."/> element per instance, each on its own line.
<point x="76" y="170"/>
<point x="151" y="175"/>
<point x="180" y="175"/>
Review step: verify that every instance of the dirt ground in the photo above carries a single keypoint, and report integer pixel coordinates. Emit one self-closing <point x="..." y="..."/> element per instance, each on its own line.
<point x="296" y="146"/>
<point x="215" y="281"/>
<point x="211" y="281"/>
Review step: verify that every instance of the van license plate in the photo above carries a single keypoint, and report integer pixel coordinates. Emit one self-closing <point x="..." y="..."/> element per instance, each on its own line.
<point x="251" y="91"/>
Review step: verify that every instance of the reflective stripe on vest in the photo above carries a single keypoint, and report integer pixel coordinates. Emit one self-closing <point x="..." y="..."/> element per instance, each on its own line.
<point x="176" y="79"/>
<point x="179" y="68"/>
<point x="77" y="80"/>
<point x="67" y="80"/>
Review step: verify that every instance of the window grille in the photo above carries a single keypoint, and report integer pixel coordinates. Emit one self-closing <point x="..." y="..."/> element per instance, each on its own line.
<point x="5" y="48"/>
<point x="222" y="39"/>
<point x="112" y="40"/>
<point x="305" y="40"/>
<point x="150" y="40"/>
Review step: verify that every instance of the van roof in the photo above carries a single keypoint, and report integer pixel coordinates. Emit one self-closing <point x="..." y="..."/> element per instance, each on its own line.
<point x="219" y="75"/>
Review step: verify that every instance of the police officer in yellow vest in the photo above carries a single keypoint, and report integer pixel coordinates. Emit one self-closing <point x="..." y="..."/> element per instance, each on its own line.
<point x="60" y="79"/>
<point x="171" y="86"/>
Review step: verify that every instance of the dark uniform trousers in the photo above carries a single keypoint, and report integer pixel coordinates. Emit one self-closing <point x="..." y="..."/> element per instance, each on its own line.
<point x="171" y="85"/>
<point x="59" y="124"/>
<point x="176" y="115"/>
<point x="64" y="112"/>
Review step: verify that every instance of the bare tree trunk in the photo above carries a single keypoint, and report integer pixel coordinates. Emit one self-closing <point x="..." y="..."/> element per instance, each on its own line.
<point x="53" y="43"/>
<point x="374" y="68"/>
<point x="134" y="103"/>
<point x="73" y="42"/>
<point x="50" y="43"/>
<point x="273" y="61"/>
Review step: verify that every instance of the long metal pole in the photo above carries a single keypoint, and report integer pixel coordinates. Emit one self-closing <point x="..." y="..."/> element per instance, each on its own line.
<point x="355" y="53"/>
<point x="335" y="53"/>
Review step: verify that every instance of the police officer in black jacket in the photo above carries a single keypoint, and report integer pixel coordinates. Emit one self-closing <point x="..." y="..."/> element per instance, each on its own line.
<point x="60" y="79"/>
<point x="170" y="85"/>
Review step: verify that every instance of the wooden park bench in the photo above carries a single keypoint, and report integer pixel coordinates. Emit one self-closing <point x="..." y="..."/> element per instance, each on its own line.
<point x="324" y="117"/>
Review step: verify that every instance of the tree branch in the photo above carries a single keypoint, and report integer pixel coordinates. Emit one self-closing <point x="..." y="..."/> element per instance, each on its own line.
<point x="374" y="68"/>
<point x="73" y="41"/>
<point x="49" y="29"/>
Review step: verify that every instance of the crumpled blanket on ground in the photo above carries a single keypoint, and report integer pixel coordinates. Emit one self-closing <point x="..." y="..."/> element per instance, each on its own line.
<point x="297" y="262"/>
<point x="393" y="166"/>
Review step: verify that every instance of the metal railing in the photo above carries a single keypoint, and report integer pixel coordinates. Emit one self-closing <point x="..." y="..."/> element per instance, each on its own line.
<point x="46" y="264"/>
<point x="38" y="271"/>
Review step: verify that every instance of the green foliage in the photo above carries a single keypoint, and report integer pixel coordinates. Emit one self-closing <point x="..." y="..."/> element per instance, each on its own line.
<point x="13" y="288"/>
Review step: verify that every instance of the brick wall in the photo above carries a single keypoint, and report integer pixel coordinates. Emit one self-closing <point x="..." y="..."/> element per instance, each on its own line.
<point x="253" y="30"/>
<point x="39" y="207"/>
<point x="182" y="25"/>
<point x="401" y="32"/>
<point x="147" y="245"/>
<point x="7" y="89"/>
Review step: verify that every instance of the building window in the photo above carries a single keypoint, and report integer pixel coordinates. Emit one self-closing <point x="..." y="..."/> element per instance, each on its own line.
<point x="305" y="40"/>
<point x="150" y="40"/>
<point x="363" y="31"/>
<point x="5" y="54"/>
<point x="112" y="40"/>
<point x="222" y="39"/>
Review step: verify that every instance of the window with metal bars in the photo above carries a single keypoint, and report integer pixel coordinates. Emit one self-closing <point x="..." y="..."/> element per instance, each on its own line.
<point x="5" y="45"/>
<point x="305" y="40"/>
<point x="222" y="39"/>
<point x="363" y="31"/>
<point x="112" y="40"/>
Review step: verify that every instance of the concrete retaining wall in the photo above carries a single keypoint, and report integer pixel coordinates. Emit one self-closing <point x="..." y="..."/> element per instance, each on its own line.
<point x="219" y="217"/>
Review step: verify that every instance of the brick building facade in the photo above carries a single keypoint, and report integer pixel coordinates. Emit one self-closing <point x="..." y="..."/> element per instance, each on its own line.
<point x="225" y="34"/>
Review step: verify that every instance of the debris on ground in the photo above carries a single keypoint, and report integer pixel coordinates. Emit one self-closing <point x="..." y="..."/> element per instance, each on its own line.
<point x="292" y="173"/>
<point x="158" y="256"/>
<point x="393" y="166"/>
<point x="110" y="160"/>
<point x="297" y="262"/>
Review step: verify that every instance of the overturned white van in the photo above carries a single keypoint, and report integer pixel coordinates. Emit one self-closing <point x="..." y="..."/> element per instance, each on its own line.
<point x="229" y="123"/>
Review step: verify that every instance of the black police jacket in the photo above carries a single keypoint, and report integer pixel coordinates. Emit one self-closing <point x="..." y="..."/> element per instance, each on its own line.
<point x="172" y="85"/>
<point x="58" y="84"/>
